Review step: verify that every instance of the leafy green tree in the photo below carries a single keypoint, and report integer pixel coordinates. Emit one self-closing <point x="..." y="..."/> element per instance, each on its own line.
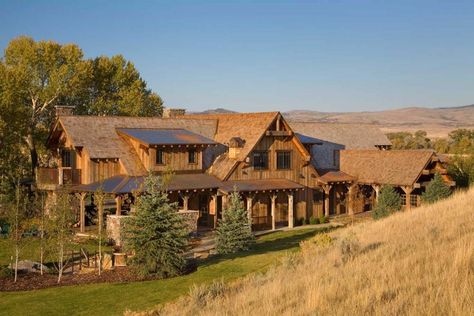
<point x="388" y="202"/>
<point x="461" y="169"/>
<point x="156" y="233"/>
<point x="436" y="190"/>
<point x="234" y="230"/>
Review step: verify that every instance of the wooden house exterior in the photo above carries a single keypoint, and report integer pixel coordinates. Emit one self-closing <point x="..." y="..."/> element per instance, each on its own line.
<point x="284" y="171"/>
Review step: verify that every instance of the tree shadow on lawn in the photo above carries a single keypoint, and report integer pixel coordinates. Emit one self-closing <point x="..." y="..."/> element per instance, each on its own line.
<point x="289" y="240"/>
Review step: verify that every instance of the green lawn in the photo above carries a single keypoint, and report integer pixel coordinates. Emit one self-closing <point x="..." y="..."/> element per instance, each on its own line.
<point x="113" y="299"/>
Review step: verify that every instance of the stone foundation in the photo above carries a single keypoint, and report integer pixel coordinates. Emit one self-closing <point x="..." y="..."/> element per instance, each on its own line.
<point x="191" y="219"/>
<point x="114" y="228"/>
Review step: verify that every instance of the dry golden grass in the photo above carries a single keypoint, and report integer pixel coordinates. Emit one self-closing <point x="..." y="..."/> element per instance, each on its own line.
<point x="413" y="263"/>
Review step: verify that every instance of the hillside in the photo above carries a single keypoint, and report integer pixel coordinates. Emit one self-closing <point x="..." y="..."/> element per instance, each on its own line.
<point x="438" y="122"/>
<point x="414" y="263"/>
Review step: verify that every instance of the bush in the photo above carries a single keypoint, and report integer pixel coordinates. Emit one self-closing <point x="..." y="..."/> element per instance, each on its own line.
<point x="314" y="220"/>
<point x="388" y="202"/>
<point x="156" y="233"/>
<point x="323" y="219"/>
<point x="436" y="190"/>
<point x="349" y="247"/>
<point x="234" y="230"/>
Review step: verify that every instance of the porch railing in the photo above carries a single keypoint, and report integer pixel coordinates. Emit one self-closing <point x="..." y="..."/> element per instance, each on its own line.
<point x="58" y="176"/>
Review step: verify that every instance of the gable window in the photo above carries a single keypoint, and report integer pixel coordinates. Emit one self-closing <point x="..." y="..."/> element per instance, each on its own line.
<point x="283" y="159"/>
<point x="66" y="160"/>
<point x="260" y="160"/>
<point x="192" y="155"/>
<point x="160" y="155"/>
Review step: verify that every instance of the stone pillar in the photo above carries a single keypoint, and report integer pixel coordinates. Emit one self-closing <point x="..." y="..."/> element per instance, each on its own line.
<point x="118" y="205"/>
<point x="407" y="191"/>
<point x="249" y="207"/>
<point x="327" y="190"/>
<point x="290" y="210"/>
<point x="273" y="198"/>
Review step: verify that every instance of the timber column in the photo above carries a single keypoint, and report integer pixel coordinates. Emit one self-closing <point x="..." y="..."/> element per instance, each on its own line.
<point x="376" y="188"/>
<point x="273" y="197"/>
<point x="290" y="210"/>
<point x="185" y="202"/>
<point x="407" y="190"/>
<point x="351" y="199"/>
<point x="327" y="191"/>
<point x="118" y="205"/>
<point x="249" y="207"/>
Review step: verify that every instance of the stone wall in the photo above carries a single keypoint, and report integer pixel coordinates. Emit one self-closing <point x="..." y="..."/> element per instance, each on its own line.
<point x="114" y="228"/>
<point x="191" y="219"/>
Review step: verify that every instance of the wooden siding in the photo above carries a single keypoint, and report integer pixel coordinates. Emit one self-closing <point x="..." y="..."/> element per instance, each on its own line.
<point x="176" y="158"/>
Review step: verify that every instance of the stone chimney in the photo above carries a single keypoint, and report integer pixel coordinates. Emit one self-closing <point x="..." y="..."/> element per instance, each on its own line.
<point x="235" y="145"/>
<point x="171" y="113"/>
<point x="64" y="110"/>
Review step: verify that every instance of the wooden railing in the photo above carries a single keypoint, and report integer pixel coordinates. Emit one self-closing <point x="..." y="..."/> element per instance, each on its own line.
<point x="58" y="176"/>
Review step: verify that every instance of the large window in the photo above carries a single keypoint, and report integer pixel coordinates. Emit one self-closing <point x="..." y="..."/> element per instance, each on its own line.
<point x="192" y="155"/>
<point x="160" y="155"/>
<point x="260" y="160"/>
<point x="283" y="159"/>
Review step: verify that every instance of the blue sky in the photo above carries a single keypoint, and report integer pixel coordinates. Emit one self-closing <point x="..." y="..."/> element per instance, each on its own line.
<point x="272" y="55"/>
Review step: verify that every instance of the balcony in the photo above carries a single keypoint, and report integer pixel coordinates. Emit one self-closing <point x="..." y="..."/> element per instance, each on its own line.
<point x="50" y="178"/>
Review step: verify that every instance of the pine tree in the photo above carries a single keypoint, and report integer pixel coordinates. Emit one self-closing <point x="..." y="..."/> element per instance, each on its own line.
<point x="388" y="202"/>
<point x="234" y="232"/>
<point x="156" y="233"/>
<point x="436" y="190"/>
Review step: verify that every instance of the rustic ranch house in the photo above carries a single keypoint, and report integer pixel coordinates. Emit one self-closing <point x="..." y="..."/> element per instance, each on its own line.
<point x="285" y="171"/>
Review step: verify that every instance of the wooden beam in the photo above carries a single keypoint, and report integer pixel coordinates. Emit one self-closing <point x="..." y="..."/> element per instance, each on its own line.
<point x="118" y="205"/>
<point x="290" y="210"/>
<point x="273" y="198"/>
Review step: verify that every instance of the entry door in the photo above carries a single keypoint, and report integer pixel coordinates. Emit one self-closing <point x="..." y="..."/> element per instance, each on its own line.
<point x="204" y="210"/>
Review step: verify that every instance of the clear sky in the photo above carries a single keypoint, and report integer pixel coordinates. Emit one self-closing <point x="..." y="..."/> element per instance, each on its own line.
<point x="272" y="55"/>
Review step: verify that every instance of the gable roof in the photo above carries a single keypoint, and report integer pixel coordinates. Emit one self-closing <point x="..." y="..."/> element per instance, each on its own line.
<point x="351" y="136"/>
<point x="158" y="136"/>
<point x="98" y="135"/>
<point x="394" y="167"/>
<point x="250" y="127"/>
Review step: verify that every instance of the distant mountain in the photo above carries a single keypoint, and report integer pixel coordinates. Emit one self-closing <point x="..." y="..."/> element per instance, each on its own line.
<point x="437" y="122"/>
<point x="215" y="111"/>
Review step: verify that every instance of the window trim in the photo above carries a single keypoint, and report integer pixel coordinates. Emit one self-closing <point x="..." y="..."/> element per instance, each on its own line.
<point x="267" y="160"/>
<point x="290" y="152"/>
<point x="66" y="156"/>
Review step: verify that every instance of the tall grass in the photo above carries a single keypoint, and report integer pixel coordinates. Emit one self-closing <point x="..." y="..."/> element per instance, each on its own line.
<point x="413" y="263"/>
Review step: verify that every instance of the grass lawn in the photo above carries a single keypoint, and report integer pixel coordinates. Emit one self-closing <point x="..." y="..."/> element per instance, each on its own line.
<point x="113" y="299"/>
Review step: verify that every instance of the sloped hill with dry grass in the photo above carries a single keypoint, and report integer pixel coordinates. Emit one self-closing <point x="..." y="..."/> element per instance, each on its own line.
<point x="413" y="263"/>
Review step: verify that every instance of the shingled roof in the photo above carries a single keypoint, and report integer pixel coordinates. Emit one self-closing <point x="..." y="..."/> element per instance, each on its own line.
<point x="351" y="136"/>
<point x="250" y="127"/>
<point x="98" y="135"/>
<point x="394" y="167"/>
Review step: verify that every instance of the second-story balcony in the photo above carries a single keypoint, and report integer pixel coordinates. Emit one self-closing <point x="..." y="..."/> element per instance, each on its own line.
<point x="49" y="178"/>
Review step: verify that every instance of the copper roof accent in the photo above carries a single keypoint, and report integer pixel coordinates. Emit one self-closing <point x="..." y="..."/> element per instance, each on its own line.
<point x="158" y="136"/>
<point x="97" y="135"/>
<point x="331" y="176"/>
<point x="394" y="167"/>
<point x="250" y="127"/>
<point x="351" y="136"/>
<point x="125" y="184"/>
<point x="259" y="185"/>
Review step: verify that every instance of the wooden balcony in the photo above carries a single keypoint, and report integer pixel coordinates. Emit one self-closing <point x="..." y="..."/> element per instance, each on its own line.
<point x="50" y="178"/>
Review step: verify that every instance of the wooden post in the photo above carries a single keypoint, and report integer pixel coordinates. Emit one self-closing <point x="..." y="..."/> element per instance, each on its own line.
<point x="82" y="211"/>
<point x="407" y="190"/>
<point x="350" y="199"/>
<point x="249" y="206"/>
<point x="376" y="188"/>
<point x="273" y="198"/>
<point x="185" y="202"/>
<point x="327" y="190"/>
<point x="214" y="201"/>
<point x="290" y="210"/>
<point x="118" y="205"/>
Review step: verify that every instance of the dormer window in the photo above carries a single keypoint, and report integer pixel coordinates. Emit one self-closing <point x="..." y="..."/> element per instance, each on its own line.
<point x="192" y="156"/>
<point x="160" y="157"/>
<point x="66" y="160"/>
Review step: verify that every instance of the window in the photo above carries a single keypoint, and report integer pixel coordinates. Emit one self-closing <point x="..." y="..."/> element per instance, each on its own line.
<point x="403" y="199"/>
<point x="283" y="159"/>
<point x="192" y="156"/>
<point x="159" y="157"/>
<point x="335" y="157"/>
<point x="66" y="160"/>
<point x="260" y="160"/>
<point x="413" y="200"/>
